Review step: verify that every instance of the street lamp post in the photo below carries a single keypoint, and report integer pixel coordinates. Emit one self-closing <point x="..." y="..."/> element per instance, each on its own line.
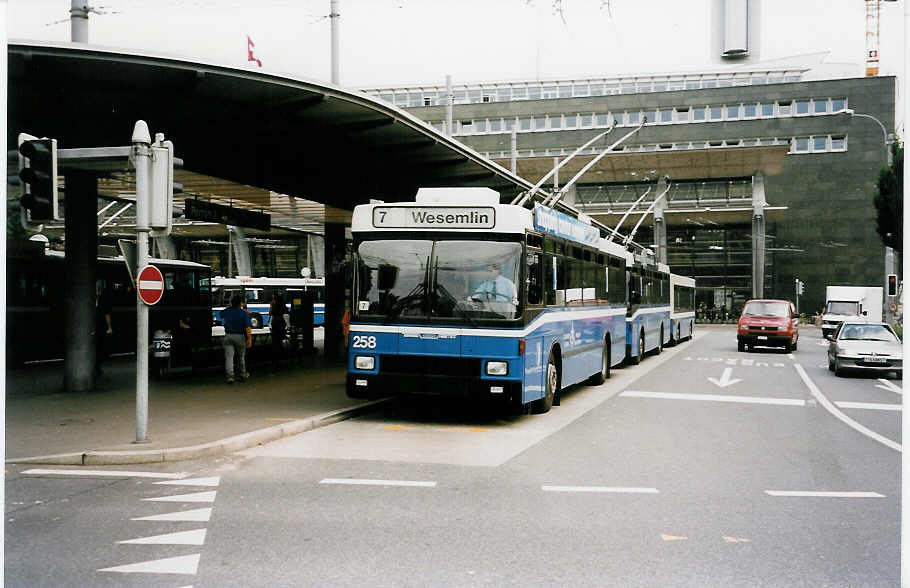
<point x="890" y="266"/>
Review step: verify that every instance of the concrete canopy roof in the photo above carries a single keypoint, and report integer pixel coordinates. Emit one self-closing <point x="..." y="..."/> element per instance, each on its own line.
<point x="304" y="151"/>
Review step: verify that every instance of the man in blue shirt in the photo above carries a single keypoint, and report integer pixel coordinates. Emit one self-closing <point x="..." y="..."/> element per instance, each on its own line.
<point x="236" y="338"/>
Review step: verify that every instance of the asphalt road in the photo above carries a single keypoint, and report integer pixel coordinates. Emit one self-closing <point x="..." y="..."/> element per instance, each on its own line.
<point x="700" y="467"/>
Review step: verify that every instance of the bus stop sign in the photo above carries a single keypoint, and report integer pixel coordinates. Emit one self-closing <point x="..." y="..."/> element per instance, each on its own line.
<point x="150" y="285"/>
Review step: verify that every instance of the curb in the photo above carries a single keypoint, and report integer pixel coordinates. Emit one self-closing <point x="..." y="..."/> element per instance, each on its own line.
<point x="221" y="447"/>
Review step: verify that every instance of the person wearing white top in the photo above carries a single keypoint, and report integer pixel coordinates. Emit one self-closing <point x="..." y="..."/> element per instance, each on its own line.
<point x="495" y="287"/>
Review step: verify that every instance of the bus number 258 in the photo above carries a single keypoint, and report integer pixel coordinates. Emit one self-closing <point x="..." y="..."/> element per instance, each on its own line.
<point x="364" y="342"/>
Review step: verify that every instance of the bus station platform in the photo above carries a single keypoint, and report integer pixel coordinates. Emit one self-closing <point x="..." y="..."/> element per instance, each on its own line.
<point x="191" y="413"/>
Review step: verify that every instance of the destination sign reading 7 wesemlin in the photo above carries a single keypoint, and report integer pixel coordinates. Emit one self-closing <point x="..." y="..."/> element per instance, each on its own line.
<point x="436" y="217"/>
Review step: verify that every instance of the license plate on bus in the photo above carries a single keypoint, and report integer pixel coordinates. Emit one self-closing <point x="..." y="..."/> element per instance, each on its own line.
<point x="762" y="337"/>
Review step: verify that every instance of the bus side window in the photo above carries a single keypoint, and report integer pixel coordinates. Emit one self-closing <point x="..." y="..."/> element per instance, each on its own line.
<point x="535" y="279"/>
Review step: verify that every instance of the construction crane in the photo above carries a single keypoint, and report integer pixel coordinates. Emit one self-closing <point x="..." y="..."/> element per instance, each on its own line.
<point x="873" y="8"/>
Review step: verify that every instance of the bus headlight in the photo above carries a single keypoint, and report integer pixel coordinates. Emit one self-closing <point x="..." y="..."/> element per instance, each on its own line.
<point x="497" y="368"/>
<point x="364" y="362"/>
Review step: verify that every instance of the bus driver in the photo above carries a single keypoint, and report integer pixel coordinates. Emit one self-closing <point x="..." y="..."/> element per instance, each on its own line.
<point x="495" y="287"/>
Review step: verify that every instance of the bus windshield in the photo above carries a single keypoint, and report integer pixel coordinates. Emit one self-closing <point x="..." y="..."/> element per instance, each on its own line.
<point x="446" y="279"/>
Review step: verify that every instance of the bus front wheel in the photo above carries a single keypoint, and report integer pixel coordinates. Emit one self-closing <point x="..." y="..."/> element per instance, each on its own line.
<point x="552" y="387"/>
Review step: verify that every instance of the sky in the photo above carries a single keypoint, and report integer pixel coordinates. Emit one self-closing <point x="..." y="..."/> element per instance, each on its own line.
<point x="412" y="42"/>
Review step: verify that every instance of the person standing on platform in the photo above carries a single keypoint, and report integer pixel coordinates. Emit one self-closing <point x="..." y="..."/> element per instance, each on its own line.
<point x="236" y="339"/>
<point x="103" y="329"/>
<point x="278" y="326"/>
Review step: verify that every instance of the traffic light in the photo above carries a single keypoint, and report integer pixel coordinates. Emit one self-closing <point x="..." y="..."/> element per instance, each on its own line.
<point x="892" y="284"/>
<point x="38" y="177"/>
<point x="800" y="286"/>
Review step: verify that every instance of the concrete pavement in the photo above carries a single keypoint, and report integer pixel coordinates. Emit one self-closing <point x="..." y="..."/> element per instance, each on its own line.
<point x="191" y="414"/>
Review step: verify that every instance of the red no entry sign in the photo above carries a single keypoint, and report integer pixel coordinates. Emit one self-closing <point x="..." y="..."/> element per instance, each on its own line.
<point x="150" y="284"/>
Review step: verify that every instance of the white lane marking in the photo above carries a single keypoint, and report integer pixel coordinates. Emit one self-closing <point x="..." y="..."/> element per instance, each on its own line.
<point x="195" y="497"/>
<point x="714" y="398"/>
<point x="868" y="405"/>
<point x="726" y="379"/>
<point x="841" y="416"/>
<point x="356" y="482"/>
<point x="107" y="473"/>
<point x="184" y="564"/>
<point x="197" y="515"/>
<point x="813" y="494"/>
<point x="213" y="481"/>
<point x="611" y="489"/>
<point x="194" y="537"/>
<point x="889" y="386"/>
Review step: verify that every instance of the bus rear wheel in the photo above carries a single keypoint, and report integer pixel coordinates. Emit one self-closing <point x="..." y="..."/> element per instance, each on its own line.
<point x="551" y="387"/>
<point x="636" y="359"/>
<point x="604" y="373"/>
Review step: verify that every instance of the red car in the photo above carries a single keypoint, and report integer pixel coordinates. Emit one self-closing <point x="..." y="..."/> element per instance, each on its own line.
<point x="768" y="323"/>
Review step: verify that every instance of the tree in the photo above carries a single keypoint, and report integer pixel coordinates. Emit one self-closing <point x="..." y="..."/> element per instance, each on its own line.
<point x="889" y="201"/>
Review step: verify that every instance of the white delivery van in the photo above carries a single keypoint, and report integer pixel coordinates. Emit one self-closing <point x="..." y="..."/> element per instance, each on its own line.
<point x="850" y="303"/>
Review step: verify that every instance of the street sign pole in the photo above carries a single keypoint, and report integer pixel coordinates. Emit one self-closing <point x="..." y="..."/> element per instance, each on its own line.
<point x="142" y="161"/>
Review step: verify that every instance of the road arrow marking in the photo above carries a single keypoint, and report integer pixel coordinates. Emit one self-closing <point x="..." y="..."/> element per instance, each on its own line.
<point x="194" y="537"/>
<point x="736" y="540"/>
<point x="195" y="497"/>
<point x="672" y="538"/>
<point x="198" y="515"/>
<point x="184" y="564"/>
<point x="725" y="379"/>
<point x="889" y="386"/>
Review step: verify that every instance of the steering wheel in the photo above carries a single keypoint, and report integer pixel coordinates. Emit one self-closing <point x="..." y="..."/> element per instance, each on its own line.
<point x="490" y="296"/>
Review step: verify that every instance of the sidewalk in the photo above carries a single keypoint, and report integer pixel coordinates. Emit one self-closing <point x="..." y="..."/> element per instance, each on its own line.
<point x="190" y="415"/>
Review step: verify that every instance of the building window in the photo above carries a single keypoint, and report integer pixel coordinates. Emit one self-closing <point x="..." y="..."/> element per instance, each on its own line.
<point x="819" y="144"/>
<point x="767" y="109"/>
<point x="603" y="119"/>
<point x="571" y="121"/>
<point x="495" y="125"/>
<point x="666" y="116"/>
<point x="709" y="83"/>
<point x="802" y="107"/>
<point x="565" y="91"/>
<point x="504" y="94"/>
<point x="681" y="115"/>
<point x="509" y="124"/>
<point x="540" y="122"/>
<point x="580" y="90"/>
<point x="699" y="113"/>
<point x="820" y="106"/>
<point x="716" y="112"/>
<point x="633" y="118"/>
<point x="628" y="88"/>
<point x="785" y="108"/>
<point x="597" y="89"/>
<point x="658" y="86"/>
<point x="486" y="98"/>
<point x="838" y="143"/>
<point x="460" y="96"/>
<point x="800" y="145"/>
<point x="733" y="112"/>
<point x="390" y="98"/>
<point x="749" y="110"/>
<point x="610" y="89"/>
<point x="480" y="125"/>
<point x="525" y="124"/>
<point x="555" y="121"/>
<point x="534" y="93"/>
<point x="651" y="116"/>
<point x="519" y="93"/>
<point x="838" y="104"/>
<point x="548" y="92"/>
<point x="693" y="84"/>
<point x="585" y="120"/>
<point x="675" y="85"/>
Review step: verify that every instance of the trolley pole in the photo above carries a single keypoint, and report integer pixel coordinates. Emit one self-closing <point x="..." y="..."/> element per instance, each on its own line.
<point x="142" y="161"/>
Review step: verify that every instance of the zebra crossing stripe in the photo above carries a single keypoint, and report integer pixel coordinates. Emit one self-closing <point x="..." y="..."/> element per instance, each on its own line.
<point x="195" y="497"/>
<point x="184" y="564"/>
<point x="194" y="537"/>
<point x="198" y="515"/>
<point x="213" y="481"/>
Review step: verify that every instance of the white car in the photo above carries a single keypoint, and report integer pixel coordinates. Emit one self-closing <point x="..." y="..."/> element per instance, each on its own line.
<point x="868" y="347"/>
